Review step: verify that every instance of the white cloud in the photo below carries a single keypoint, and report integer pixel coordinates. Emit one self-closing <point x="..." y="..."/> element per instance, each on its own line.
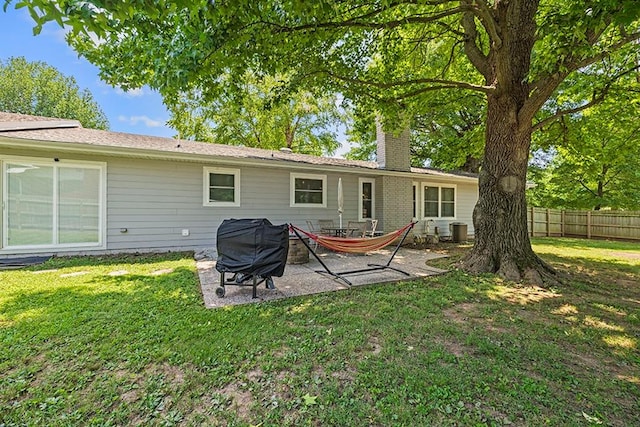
<point x="134" y="120"/>
<point x="134" y="93"/>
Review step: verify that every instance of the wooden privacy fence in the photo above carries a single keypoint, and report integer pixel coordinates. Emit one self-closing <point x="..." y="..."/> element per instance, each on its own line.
<point x="576" y="223"/>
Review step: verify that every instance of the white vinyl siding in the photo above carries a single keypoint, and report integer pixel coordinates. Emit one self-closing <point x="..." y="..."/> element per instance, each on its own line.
<point x="221" y="187"/>
<point x="308" y="190"/>
<point x="367" y="197"/>
<point x="52" y="204"/>
<point x="438" y="201"/>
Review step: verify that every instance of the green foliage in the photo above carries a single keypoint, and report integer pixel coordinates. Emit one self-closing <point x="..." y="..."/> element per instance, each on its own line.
<point x="447" y="135"/>
<point x="597" y="161"/>
<point x="256" y="116"/>
<point x="387" y="57"/>
<point x="38" y="89"/>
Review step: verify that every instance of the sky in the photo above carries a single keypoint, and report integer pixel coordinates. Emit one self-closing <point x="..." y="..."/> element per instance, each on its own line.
<point x="139" y="112"/>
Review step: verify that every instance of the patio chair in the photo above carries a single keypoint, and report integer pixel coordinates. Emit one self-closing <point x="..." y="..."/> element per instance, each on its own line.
<point x="358" y="228"/>
<point x="370" y="229"/>
<point x="325" y="224"/>
<point x="315" y="230"/>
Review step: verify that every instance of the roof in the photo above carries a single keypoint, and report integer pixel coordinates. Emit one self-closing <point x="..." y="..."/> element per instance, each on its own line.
<point x="37" y="131"/>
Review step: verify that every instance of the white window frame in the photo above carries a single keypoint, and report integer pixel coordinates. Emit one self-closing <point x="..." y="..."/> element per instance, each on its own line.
<point x="206" y="184"/>
<point x="371" y="181"/>
<point x="55" y="164"/>
<point x="440" y="186"/>
<point x="292" y="190"/>
<point x="415" y="188"/>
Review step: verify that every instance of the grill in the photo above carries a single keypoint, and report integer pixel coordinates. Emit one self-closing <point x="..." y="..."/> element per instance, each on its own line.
<point x="254" y="250"/>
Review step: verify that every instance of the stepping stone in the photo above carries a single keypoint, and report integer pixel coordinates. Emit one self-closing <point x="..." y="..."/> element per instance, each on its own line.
<point x="77" y="273"/>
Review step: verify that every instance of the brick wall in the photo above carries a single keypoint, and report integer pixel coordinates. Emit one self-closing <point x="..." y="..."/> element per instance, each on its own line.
<point x="393" y="149"/>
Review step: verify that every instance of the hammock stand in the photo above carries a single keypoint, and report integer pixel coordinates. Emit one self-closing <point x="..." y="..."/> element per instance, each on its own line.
<point x="355" y="245"/>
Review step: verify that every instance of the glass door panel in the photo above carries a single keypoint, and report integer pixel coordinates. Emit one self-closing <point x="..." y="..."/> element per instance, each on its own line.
<point x="29" y="204"/>
<point x="78" y="205"/>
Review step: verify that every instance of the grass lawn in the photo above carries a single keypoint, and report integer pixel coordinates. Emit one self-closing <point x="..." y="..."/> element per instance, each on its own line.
<point x="127" y="341"/>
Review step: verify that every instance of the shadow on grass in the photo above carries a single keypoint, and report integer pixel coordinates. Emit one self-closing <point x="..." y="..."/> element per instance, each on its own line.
<point x="106" y="260"/>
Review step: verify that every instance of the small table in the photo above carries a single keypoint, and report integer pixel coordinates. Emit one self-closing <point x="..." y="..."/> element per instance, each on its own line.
<point x="339" y="231"/>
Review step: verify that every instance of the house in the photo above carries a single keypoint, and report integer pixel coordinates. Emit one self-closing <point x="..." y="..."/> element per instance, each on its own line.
<point x="67" y="189"/>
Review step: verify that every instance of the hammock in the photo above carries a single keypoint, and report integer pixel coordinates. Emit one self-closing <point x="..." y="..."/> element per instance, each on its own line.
<point x="355" y="245"/>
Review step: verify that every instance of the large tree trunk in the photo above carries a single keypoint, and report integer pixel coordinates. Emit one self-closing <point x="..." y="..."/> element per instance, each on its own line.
<point x="500" y="217"/>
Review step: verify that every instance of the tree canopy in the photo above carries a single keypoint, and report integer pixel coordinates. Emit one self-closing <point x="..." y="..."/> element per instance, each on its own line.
<point x="596" y="162"/>
<point x="256" y="117"/>
<point x="39" y="89"/>
<point x="387" y="56"/>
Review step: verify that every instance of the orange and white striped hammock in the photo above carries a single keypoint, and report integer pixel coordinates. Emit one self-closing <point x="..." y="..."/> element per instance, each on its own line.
<point x="355" y="245"/>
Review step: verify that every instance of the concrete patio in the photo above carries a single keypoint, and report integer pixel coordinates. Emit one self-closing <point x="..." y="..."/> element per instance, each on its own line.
<point x="302" y="279"/>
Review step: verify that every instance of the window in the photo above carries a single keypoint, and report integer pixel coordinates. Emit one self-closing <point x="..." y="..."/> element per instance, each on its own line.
<point x="308" y="190"/>
<point x="439" y="201"/>
<point x="367" y="196"/>
<point x="53" y="204"/>
<point x="221" y="187"/>
<point x="431" y="199"/>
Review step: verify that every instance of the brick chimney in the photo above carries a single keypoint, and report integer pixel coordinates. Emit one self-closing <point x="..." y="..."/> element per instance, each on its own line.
<point x="395" y="190"/>
<point x="393" y="149"/>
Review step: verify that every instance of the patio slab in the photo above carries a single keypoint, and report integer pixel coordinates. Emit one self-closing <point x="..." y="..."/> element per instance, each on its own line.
<point x="302" y="279"/>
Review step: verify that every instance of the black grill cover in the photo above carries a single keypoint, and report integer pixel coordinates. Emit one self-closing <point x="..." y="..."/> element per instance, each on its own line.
<point x="252" y="246"/>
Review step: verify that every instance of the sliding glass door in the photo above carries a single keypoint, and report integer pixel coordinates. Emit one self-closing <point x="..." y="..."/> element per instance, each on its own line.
<point x="52" y="205"/>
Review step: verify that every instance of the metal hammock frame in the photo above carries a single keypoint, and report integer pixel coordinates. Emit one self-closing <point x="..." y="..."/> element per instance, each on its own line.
<point x="355" y="245"/>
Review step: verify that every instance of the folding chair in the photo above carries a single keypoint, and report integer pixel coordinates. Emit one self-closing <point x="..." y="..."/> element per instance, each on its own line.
<point x="358" y="228"/>
<point x="370" y="229"/>
<point x="325" y="224"/>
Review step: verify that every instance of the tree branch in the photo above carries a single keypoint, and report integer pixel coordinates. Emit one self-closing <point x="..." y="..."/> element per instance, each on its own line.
<point x="483" y="12"/>
<point x="560" y="113"/>
<point x="440" y="82"/>
<point x="475" y="55"/>
<point x="359" y="21"/>
<point x="595" y="99"/>
<point x="586" y="187"/>
<point x="542" y="89"/>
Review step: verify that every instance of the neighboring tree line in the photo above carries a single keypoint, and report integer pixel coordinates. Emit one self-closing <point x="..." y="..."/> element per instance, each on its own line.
<point x="39" y="89"/>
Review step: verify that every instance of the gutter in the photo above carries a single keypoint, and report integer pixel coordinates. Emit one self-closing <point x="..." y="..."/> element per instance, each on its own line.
<point x="145" y="153"/>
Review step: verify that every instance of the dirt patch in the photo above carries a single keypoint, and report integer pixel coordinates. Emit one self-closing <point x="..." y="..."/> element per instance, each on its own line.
<point x="161" y="272"/>
<point x="130" y="396"/>
<point x="374" y="345"/>
<point x="240" y="400"/>
<point x="345" y="376"/>
<point x="75" y="274"/>
<point x="461" y="313"/>
<point x="255" y="374"/>
<point x="455" y="348"/>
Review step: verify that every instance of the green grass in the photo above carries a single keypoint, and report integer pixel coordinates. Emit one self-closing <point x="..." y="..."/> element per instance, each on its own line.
<point x="82" y="346"/>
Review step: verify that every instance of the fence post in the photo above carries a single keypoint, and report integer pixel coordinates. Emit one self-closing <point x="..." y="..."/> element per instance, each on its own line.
<point x="533" y="224"/>
<point x="548" y="222"/>
<point x="588" y="224"/>
<point x="562" y="219"/>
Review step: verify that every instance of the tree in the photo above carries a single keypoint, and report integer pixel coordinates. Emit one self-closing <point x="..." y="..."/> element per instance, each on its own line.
<point x="597" y="162"/>
<point x="256" y="117"/>
<point x="387" y="54"/>
<point x="449" y="135"/>
<point x="39" y="89"/>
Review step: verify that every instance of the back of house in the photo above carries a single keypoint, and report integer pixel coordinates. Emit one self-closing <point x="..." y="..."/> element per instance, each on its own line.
<point x="70" y="190"/>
